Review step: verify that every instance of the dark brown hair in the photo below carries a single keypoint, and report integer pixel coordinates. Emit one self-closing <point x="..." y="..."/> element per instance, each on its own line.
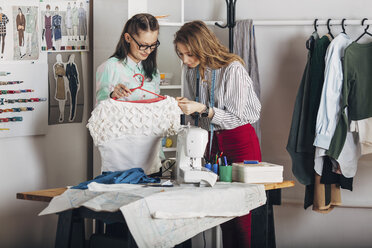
<point x="140" y="22"/>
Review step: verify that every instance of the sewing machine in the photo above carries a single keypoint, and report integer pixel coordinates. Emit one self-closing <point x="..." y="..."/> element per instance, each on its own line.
<point x="191" y="143"/>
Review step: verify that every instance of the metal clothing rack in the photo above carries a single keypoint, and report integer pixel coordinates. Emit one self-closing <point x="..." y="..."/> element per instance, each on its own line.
<point x="230" y="24"/>
<point x="230" y="4"/>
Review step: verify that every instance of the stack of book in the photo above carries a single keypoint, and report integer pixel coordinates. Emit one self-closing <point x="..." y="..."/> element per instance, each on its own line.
<point x="262" y="172"/>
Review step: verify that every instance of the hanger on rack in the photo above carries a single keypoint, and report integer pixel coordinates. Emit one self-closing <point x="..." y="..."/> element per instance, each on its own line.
<point x="315" y="25"/>
<point x="328" y="27"/>
<point x="343" y="25"/>
<point x="159" y="97"/>
<point x="365" y="30"/>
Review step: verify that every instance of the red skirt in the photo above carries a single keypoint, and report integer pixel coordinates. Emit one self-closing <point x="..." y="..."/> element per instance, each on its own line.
<point x="237" y="145"/>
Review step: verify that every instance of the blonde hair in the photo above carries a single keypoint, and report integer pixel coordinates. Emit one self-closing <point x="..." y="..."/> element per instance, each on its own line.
<point x="205" y="46"/>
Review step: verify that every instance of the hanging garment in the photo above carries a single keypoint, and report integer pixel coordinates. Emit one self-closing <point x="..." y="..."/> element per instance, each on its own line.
<point x="363" y="128"/>
<point x="128" y="135"/>
<point x="245" y="47"/>
<point x="356" y="91"/>
<point x="302" y="132"/>
<point x="60" y="72"/>
<point x="329" y="111"/>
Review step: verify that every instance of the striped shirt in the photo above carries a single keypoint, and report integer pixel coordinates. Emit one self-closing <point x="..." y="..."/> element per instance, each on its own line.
<point x="235" y="102"/>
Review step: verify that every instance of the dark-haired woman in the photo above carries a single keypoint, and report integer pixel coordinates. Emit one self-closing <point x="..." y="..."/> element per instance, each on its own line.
<point x="135" y="53"/>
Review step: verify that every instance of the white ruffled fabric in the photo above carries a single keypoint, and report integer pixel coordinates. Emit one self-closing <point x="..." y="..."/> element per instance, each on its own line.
<point x="128" y="135"/>
<point x="113" y="119"/>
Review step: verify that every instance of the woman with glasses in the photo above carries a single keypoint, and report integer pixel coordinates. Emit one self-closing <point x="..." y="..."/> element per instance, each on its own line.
<point x="135" y="53"/>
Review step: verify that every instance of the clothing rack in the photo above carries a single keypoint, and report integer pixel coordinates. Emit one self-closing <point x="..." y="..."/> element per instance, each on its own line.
<point x="230" y="24"/>
<point x="230" y="4"/>
<point x="308" y="22"/>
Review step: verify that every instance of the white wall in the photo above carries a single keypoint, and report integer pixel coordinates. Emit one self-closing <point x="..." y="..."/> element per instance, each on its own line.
<point x="59" y="158"/>
<point x="281" y="58"/>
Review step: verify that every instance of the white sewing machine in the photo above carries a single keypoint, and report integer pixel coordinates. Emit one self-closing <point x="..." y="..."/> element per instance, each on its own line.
<point x="191" y="143"/>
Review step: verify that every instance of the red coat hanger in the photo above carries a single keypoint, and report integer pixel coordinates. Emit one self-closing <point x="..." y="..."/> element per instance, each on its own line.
<point x="159" y="98"/>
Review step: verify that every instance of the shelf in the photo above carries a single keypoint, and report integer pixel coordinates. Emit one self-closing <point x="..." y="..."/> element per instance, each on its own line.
<point x="171" y="149"/>
<point x="179" y="24"/>
<point x="170" y="87"/>
<point x="171" y="24"/>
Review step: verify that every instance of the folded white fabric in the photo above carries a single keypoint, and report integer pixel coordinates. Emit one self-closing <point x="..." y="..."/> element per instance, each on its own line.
<point x="128" y="135"/>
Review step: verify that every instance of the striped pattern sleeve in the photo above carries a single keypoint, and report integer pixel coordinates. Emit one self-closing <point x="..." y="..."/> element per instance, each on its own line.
<point x="240" y="103"/>
<point x="235" y="102"/>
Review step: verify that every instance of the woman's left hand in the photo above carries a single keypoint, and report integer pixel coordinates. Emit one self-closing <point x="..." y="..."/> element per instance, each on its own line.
<point x="189" y="107"/>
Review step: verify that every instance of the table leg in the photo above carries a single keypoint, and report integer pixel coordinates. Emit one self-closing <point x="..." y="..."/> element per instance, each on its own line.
<point x="263" y="229"/>
<point x="64" y="229"/>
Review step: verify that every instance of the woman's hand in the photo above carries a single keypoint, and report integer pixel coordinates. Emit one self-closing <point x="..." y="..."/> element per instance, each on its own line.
<point x="189" y="107"/>
<point x="120" y="91"/>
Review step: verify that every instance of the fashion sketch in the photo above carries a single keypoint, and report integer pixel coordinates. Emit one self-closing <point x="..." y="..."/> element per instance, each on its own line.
<point x="75" y="21"/>
<point x="3" y="22"/>
<point x="66" y="88"/>
<point x="82" y="22"/>
<point x="21" y="26"/>
<point x="72" y="75"/>
<point x="47" y="28"/>
<point x="31" y="20"/>
<point x="56" y="26"/>
<point x="68" y="21"/>
<point x="60" y="92"/>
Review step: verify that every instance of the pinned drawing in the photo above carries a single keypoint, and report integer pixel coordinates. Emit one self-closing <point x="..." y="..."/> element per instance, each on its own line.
<point x="26" y="44"/>
<point x="3" y="22"/>
<point x="60" y="92"/>
<point x="65" y="88"/>
<point x="69" y="25"/>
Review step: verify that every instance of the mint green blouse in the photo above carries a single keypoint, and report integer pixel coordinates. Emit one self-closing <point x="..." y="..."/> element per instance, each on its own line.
<point x="114" y="71"/>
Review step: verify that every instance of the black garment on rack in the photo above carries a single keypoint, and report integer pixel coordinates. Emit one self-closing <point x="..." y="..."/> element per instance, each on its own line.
<point x="329" y="177"/>
<point x="302" y="133"/>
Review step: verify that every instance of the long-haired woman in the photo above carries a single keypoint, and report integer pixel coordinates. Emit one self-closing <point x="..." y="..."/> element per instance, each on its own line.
<point x="135" y="53"/>
<point x="220" y="91"/>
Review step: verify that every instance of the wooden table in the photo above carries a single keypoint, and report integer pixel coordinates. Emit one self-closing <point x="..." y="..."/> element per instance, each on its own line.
<point x="263" y="230"/>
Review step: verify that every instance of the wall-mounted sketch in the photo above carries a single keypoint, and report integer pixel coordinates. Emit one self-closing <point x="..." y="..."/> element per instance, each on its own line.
<point x="3" y="22"/>
<point x="69" y="25"/>
<point x="26" y="43"/>
<point x="65" y="88"/>
<point x="60" y="90"/>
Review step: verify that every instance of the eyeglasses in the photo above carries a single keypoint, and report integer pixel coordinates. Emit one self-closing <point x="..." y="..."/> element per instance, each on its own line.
<point x="145" y="47"/>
